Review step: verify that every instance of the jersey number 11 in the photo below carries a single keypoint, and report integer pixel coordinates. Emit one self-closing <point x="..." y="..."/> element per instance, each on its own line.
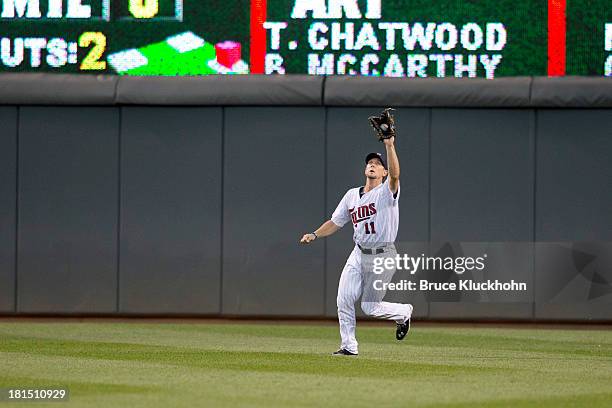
<point x="369" y="227"/>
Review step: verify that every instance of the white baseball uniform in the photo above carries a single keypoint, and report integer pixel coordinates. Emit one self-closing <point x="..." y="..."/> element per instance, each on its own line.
<point x="375" y="219"/>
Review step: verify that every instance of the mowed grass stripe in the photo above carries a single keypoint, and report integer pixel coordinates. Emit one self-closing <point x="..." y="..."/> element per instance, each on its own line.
<point x="572" y="342"/>
<point x="578" y="400"/>
<point x="323" y="364"/>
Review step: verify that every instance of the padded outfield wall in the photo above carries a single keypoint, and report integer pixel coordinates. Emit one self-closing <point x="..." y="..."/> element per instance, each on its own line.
<point x="187" y="196"/>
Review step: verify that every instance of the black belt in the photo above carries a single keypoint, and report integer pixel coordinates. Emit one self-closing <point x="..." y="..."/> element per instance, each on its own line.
<point x="372" y="251"/>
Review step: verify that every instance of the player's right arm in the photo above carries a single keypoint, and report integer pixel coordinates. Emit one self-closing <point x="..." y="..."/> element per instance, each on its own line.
<point x="338" y="219"/>
<point x="325" y="230"/>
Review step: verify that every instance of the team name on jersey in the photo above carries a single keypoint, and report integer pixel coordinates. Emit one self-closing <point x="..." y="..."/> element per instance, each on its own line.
<point x="362" y="213"/>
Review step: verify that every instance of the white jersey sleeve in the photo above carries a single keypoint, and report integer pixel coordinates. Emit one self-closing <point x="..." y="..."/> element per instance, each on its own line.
<point x="388" y="194"/>
<point x="341" y="215"/>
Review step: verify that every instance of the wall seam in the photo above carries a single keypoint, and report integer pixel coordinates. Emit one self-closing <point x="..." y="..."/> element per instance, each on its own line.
<point x="16" y="255"/>
<point x="323" y="84"/>
<point x="429" y="155"/>
<point x="534" y="133"/>
<point x="119" y="158"/>
<point x="222" y="197"/>
<point x="430" y="111"/>
<point x="115" y="90"/>
<point x="325" y="174"/>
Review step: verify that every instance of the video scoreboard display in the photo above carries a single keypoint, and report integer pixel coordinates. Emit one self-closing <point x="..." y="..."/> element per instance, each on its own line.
<point x="399" y="38"/>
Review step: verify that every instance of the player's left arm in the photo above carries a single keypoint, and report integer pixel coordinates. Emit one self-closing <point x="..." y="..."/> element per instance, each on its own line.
<point x="393" y="164"/>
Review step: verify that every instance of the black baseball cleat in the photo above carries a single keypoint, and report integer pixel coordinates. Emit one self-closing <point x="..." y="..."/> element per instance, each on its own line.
<point x="402" y="329"/>
<point x="343" y="352"/>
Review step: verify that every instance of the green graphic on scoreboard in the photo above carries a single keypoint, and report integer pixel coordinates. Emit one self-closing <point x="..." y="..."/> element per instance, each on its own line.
<point x="589" y="37"/>
<point x="181" y="54"/>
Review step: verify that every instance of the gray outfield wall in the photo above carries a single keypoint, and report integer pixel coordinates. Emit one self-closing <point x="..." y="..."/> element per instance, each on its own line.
<point x="188" y="195"/>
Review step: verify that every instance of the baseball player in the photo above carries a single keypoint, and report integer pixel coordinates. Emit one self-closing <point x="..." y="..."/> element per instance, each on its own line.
<point x="374" y="212"/>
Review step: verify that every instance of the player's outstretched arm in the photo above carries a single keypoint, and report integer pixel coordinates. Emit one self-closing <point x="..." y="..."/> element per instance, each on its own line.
<point x="393" y="163"/>
<point x="326" y="229"/>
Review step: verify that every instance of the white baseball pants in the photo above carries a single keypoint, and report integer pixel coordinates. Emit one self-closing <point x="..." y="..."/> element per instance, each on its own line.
<point x="357" y="280"/>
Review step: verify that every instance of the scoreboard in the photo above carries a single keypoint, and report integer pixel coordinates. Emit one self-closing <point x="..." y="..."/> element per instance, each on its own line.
<point x="400" y="38"/>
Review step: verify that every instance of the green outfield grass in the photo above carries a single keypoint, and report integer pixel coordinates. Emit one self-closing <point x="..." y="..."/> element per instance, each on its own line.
<point x="203" y="364"/>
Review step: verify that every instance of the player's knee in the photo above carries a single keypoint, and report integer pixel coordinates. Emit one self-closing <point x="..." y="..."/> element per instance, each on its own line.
<point x="370" y="308"/>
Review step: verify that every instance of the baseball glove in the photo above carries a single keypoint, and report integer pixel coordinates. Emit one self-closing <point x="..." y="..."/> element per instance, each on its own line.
<point x="383" y="124"/>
